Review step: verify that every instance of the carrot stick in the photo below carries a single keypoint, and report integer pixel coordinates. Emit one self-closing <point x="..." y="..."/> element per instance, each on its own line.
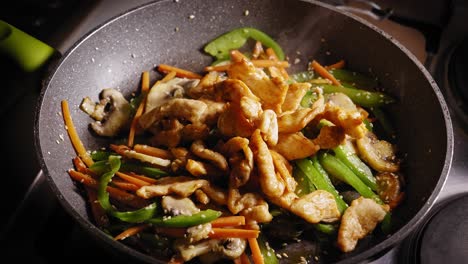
<point x="131" y="179"/>
<point x="81" y="167"/>
<point x="256" y="63"/>
<point x="338" y="65"/>
<point x="179" y="72"/>
<point x="127" y="186"/>
<point x="272" y="56"/>
<point x="117" y="194"/>
<point x="245" y="259"/>
<point x="233" y="232"/>
<point x="152" y="151"/>
<point x="237" y="56"/>
<point x="140" y="109"/>
<point x="74" y="138"/>
<point x="236" y="220"/>
<point x="324" y="73"/>
<point x="143" y="178"/>
<point x="169" y="76"/>
<point x="256" y="253"/>
<point x="131" y="231"/>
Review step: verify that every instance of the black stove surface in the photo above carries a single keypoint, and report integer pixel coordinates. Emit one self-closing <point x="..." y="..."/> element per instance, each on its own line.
<point x="40" y="231"/>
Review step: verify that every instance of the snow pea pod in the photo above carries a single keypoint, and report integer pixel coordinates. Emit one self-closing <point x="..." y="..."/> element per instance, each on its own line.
<point x="199" y="218"/>
<point x="360" y="97"/>
<point x="235" y="39"/>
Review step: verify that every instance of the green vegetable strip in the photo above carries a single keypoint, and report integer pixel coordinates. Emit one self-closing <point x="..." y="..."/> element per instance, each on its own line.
<point x="386" y="224"/>
<point x="360" y="97"/>
<point x="320" y="181"/>
<point x="383" y="120"/>
<point x="359" y="168"/>
<point x="140" y="169"/>
<point x="339" y="170"/>
<point x="202" y="217"/>
<point x="235" y="39"/>
<point x="304" y="186"/>
<point x="355" y="79"/>
<point x="309" y="98"/>
<point x="268" y="253"/>
<point x="137" y="216"/>
<point x="99" y="155"/>
<point x="328" y="229"/>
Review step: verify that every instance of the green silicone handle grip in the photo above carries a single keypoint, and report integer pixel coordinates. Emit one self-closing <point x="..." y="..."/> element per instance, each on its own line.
<point x="28" y="52"/>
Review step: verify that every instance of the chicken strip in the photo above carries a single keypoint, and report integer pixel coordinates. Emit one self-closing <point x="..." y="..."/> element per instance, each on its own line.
<point x="180" y="185"/>
<point x="295" y="146"/>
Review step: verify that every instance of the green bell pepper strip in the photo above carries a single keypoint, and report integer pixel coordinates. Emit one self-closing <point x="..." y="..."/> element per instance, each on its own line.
<point x="386" y="224"/>
<point x="309" y="98"/>
<point x="136" y="216"/>
<point x="360" y="97"/>
<point x="268" y="253"/>
<point x="141" y="169"/>
<point x="328" y="229"/>
<point x="320" y="181"/>
<point x="199" y="218"/>
<point x="235" y="39"/>
<point x="339" y="170"/>
<point x="99" y="155"/>
<point x="355" y="79"/>
<point x="350" y="159"/>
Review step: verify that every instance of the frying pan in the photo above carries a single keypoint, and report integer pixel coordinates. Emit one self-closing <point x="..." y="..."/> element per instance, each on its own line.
<point x="174" y="32"/>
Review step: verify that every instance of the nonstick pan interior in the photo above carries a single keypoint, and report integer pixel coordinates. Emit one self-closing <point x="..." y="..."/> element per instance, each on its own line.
<point x="174" y="32"/>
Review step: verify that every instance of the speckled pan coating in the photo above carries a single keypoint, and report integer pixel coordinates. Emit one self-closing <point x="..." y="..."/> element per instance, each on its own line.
<point x="174" y="32"/>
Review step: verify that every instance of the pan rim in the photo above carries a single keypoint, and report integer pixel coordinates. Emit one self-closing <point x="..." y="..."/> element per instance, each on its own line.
<point x="374" y="251"/>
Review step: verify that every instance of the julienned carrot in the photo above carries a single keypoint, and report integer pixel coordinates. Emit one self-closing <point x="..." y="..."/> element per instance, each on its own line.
<point x="141" y="107"/>
<point x="272" y="56"/>
<point x="131" y="231"/>
<point x="233" y="232"/>
<point x="126" y="186"/>
<point x="244" y="259"/>
<point x="74" y="138"/>
<point x="256" y="63"/>
<point x="229" y="221"/>
<point x="338" y="65"/>
<point x="179" y="72"/>
<point x="143" y="178"/>
<point x="324" y="73"/>
<point x="81" y="167"/>
<point x="257" y="256"/>
<point x="153" y="151"/>
<point x="168" y="76"/>
<point x="131" y="179"/>
<point x="114" y="193"/>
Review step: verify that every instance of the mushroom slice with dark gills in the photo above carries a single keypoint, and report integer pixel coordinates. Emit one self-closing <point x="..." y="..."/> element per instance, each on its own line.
<point x="162" y="92"/>
<point x="112" y="113"/>
<point x="230" y="248"/>
<point x="379" y="154"/>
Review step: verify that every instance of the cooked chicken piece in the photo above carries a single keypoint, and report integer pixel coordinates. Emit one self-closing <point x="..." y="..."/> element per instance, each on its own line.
<point x="215" y="193"/>
<point x="389" y="188"/>
<point x="359" y="220"/>
<point x="198" y="232"/>
<point x="131" y="154"/>
<point x="284" y="169"/>
<point x="250" y="205"/>
<point x="193" y="132"/>
<point x="271" y="92"/>
<point x="181" y="156"/>
<point x="206" y="85"/>
<point x="179" y="108"/>
<point x="202" y="169"/>
<point x="199" y="149"/>
<point x="168" y="133"/>
<point x="240" y="159"/>
<point x="330" y="137"/>
<point x="232" y="90"/>
<point x="112" y="114"/>
<point x="317" y="206"/>
<point x="379" y="154"/>
<point x="162" y="92"/>
<point x="269" y="127"/>
<point x="202" y="197"/>
<point x="178" y="206"/>
<point x="179" y="185"/>
<point x="232" y="122"/>
<point x="250" y="108"/>
<point x="212" y="112"/>
<point x="341" y="111"/>
<point x="295" y="146"/>
<point x="290" y="122"/>
<point x="296" y="92"/>
<point x="272" y="184"/>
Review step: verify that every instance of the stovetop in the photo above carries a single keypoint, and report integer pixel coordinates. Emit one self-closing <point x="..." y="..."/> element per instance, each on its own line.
<point x="29" y="232"/>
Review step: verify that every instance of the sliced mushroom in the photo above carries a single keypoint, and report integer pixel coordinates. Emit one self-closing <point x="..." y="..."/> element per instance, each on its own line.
<point x="379" y="154"/>
<point x="231" y="247"/>
<point x="389" y="188"/>
<point x="112" y="114"/>
<point x="165" y="91"/>
<point x="198" y="232"/>
<point x="178" y="206"/>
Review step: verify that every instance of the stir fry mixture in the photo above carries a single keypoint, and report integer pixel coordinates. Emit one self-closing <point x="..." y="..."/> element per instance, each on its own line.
<point x="245" y="162"/>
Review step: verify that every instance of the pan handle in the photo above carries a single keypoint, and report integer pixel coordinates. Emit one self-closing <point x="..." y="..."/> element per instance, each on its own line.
<point x="27" y="52"/>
